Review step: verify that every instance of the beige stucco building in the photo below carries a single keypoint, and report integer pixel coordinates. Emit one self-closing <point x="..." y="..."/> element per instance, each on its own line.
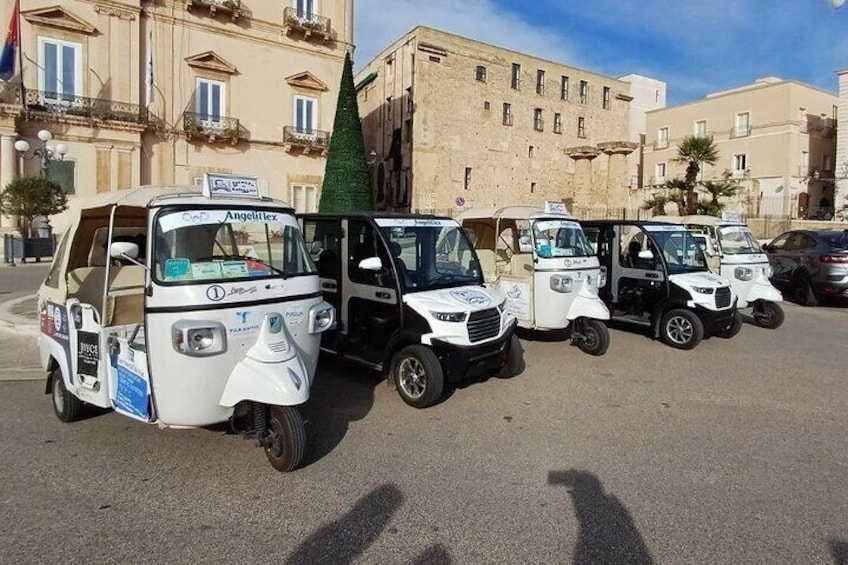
<point x="776" y="138"/>
<point x="455" y="123"/>
<point x="242" y="86"/>
<point x="841" y="196"/>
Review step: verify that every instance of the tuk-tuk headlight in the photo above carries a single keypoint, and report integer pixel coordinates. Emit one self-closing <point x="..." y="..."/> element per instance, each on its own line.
<point x="321" y="318"/>
<point x="768" y="271"/>
<point x="743" y="273"/>
<point x="561" y="283"/>
<point x="602" y="278"/>
<point x="703" y="289"/>
<point x="199" y="338"/>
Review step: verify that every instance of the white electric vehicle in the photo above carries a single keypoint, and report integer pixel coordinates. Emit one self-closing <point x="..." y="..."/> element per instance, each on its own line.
<point x="733" y="252"/>
<point x="541" y="260"/>
<point x="411" y="302"/>
<point x="657" y="275"/>
<point x="185" y="309"/>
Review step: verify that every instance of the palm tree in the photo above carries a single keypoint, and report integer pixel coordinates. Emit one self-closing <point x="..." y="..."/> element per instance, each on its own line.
<point x="677" y="194"/>
<point x="694" y="152"/>
<point x="719" y="189"/>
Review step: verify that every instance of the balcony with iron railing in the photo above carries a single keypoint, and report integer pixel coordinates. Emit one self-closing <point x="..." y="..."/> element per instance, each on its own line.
<point x="214" y="129"/>
<point x="308" y="23"/>
<point x="95" y="109"/>
<point x="230" y="7"/>
<point x="306" y="139"/>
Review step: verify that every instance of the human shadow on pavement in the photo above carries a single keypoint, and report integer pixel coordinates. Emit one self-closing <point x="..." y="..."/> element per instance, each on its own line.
<point x="607" y="533"/>
<point x="341" y="393"/>
<point x="839" y="551"/>
<point x="344" y="540"/>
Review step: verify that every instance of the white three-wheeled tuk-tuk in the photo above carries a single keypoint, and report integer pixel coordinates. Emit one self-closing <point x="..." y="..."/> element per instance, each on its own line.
<point x="543" y="263"/>
<point x="186" y="309"/>
<point x="732" y="252"/>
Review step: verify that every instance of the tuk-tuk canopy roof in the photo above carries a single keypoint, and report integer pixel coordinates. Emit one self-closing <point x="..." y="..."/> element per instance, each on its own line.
<point x="696" y="219"/>
<point x="509" y="213"/>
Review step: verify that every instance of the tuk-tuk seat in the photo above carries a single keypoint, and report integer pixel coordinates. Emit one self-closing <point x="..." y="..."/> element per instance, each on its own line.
<point x="521" y="265"/>
<point x="125" y="303"/>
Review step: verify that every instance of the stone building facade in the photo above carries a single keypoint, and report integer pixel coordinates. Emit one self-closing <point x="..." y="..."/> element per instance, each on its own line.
<point x="776" y="138"/>
<point x="454" y="123"/>
<point x="242" y="86"/>
<point x="841" y="190"/>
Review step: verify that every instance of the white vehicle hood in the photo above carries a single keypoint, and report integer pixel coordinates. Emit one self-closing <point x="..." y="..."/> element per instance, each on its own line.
<point x="456" y="299"/>
<point x="704" y="279"/>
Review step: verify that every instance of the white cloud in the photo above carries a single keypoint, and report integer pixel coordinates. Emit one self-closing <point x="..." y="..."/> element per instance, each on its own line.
<point x="379" y="23"/>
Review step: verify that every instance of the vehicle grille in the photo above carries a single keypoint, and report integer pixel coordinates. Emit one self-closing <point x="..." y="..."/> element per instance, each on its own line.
<point x="484" y="324"/>
<point x="722" y="297"/>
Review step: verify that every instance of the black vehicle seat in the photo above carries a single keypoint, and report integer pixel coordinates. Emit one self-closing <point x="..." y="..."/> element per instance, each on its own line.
<point x="328" y="264"/>
<point x="632" y="258"/>
<point x="396" y="250"/>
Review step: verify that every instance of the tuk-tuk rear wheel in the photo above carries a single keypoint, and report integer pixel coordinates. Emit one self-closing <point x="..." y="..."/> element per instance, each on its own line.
<point x="66" y="406"/>
<point x="286" y="438"/>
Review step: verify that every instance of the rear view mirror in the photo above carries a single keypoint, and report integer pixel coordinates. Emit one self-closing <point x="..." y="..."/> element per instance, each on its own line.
<point x="371" y="264"/>
<point x="123" y="250"/>
<point x="768" y="247"/>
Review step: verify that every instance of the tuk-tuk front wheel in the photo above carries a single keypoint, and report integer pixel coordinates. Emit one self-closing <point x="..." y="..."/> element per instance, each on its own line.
<point x="286" y="439"/>
<point x="768" y="315"/>
<point x="593" y="337"/>
<point x="66" y="406"/>
<point x="418" y="376"/>
<point x="681" y="329"/>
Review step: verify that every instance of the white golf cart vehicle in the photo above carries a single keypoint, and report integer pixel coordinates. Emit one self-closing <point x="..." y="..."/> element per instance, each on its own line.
<point x="658" y="276"/>
<point x="541" y="260"/>
<point x="733" y="253"/>
<point x="186" y="309"/>
<point x="411" y="302"/>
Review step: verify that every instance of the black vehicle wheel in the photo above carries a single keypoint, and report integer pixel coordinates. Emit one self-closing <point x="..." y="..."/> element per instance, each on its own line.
<point x="681" y="329"/>
<point x="596" y="337"/>
<point x="804" y="293"/>
<point x="514" y="363"/>
<point x="734" y="328"/>
<point x="287" y="438"/>
<point x="418" y="376"/>
<point x="66" y="406"/>
<point x="768" y="315"/>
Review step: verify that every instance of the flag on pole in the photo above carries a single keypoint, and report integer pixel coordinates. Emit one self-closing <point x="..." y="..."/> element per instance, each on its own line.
<point x="10" y="47"/>
<point x="148" y="78"/>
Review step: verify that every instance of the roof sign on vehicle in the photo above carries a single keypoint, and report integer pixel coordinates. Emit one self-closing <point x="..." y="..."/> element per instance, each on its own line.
<point x="217" y="185"/>
<point x="415" y="222"/>
<point x="555" y="208"/>
<point x="728" y="216"/>
<point x="658" y="227"/>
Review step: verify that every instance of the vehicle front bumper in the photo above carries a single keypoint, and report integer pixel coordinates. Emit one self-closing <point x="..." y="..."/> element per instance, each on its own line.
<point x="716" y="320"/>
<point x="460" y="362"/>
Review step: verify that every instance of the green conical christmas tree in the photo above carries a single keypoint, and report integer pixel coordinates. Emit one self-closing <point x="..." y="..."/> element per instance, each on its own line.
<point x="346" y="186"/>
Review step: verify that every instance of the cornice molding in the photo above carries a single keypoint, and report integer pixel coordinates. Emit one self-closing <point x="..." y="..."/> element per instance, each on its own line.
<point x="211" y="61"/>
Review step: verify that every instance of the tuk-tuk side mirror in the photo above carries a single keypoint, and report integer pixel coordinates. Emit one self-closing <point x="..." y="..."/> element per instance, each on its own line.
<point x="123" y="250"/>
<point x="371" y="264"/>
<point x="646" y="254"/>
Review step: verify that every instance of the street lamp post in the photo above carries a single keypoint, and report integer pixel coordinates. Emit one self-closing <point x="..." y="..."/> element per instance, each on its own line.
<point x="46" y="153"/>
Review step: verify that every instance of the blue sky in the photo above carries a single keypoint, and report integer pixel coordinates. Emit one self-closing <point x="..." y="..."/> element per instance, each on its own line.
<point x="695" y="47"/>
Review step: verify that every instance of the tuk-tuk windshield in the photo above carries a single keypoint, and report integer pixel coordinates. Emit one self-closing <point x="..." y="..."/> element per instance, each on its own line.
<point x="431" y="253"/>
<point x="560" y="238"/>
<point x="222" y="245"/>
<point x="737" y="240"/>
<point x="679" y="247"/>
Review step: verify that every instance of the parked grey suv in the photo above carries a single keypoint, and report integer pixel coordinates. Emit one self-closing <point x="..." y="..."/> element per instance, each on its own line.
<point x="808" y="265"/>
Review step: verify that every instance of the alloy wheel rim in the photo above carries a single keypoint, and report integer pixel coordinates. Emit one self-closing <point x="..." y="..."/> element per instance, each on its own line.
<point x="413" y="377"/>
<point x="680" y="330"/>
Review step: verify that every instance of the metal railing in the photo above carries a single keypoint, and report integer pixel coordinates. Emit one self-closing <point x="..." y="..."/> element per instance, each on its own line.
<point x="99" y="109"/>
<point x="306" y="20"/>
<point x="740" y="131"/>
<point x="306" y="137"/>
<point x="212" y="127"/>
